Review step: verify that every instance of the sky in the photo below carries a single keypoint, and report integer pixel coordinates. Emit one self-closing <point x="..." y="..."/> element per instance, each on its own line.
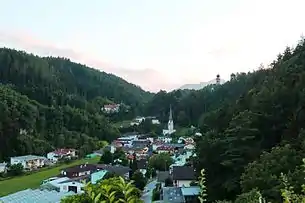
<point x="156" y="44"/>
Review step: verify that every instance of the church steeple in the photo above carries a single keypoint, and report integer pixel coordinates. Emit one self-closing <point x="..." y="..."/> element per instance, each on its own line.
<point x="170" y="113"/>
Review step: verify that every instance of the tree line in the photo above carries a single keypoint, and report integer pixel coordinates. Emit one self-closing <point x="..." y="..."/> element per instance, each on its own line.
<point x="252" y="126"/>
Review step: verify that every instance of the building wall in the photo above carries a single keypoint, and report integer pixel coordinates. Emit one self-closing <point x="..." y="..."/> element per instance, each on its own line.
<point x="64" y="187"/>
<point x="183" y="183"/>
<point x="51" y="156"/>
<point x="2" y="168"/>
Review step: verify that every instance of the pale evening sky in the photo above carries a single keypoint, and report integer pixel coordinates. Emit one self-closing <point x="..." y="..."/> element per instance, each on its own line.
<point x="157" y="44"/>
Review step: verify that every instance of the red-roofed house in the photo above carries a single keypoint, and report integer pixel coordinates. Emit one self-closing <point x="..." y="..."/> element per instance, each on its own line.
<point x="60" y="154"/>
<point x="111" y="108"/>
<point x="165" y="149"/>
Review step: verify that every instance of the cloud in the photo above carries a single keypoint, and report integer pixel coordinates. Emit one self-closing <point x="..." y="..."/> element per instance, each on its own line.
<point x="148" y="79"/>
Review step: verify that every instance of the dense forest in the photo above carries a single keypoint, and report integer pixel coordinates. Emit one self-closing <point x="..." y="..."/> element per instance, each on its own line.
<point x="53" y="102"/>
<point x="252" y="128"/>
<point x="58" y="81"/>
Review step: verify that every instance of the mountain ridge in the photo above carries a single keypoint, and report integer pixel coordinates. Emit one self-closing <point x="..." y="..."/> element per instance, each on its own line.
<point x="200" y="85"/>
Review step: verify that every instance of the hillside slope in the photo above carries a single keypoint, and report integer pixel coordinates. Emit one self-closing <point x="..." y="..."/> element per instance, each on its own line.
<point x="27" y="127"/>
<point x="58" y="81"/>
<point x="252" y="126"/>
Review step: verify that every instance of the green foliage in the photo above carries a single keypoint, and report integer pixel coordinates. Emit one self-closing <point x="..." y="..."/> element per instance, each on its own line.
<point x="113" y="190"/>
<point x="139" y="180"/>
<point x="251" y="126"/>
<point x="28" y="127"/>
<point x="265" y="173"/>
<point x="168" y="182"/>
<point x="157" y="192"/>
<point x="59" y="81"/>
<point x="245" y="118"/>
<point x="57" y="103"/>
<point x="106" y="158"/>
<point x="120" y="155"/>
<point x="252" y="196"/>
<point x="160" y="162"/>
<point x="203" y="193"/>
<point x="15" y="169"/>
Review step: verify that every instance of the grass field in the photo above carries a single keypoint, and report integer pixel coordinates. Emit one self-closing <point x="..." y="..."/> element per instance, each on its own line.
<point x="34" y="180"/>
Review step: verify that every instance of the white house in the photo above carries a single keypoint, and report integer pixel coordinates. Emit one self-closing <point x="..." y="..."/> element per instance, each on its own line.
<point x="155" y="121"/>
<point x="189" y="147"/>
<point x="60" y="154"/>
<point x="3" y="167"/>
<point x="165" y="139"/>
<point x="29" y="161"/>
<point x="183" y="176"/>
<point x="64" y="184"/>
<point x="111" y="108"/>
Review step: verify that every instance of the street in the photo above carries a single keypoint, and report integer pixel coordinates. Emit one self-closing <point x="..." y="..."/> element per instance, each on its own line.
<point x="147" y="194"/>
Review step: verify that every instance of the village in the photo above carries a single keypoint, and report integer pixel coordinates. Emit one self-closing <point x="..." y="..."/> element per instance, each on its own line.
<point x="172" y="180"/>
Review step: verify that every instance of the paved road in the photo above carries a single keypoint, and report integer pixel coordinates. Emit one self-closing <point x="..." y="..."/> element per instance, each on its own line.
<point x="147" y="195"/>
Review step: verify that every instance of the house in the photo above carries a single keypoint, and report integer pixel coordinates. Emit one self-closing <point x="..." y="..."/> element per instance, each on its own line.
<point x="180" y="194"/>
<point x="172" y="195"/>
<point x="189" y="147"/>
<point x="183" y="175"/>
<point x="111" y="108"/>
<point x="191" y="194"/>
<point x="119" y="170"/>
<point x="79" y="170"/>
<point x="29" y="162"/>
<point x="141" y="143"/>
<point x="96" y="176"/>
<point x="156" y="144"/>
<point x="155" y="121"/>
<point x="61" y="154"/>
<point x="3" y="167"/>
<point x="165" y="149"/>
<point x="165" y="139"/>
<point x="35" y="195"/>
<point x="63" y="185"/>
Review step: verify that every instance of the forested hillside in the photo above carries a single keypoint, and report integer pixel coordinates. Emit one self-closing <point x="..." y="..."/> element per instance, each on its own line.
<point x="252" y="128"/>
<point x="27" y="127"/>
<point x="58" y="81"/>
<point x="52" y="102"/>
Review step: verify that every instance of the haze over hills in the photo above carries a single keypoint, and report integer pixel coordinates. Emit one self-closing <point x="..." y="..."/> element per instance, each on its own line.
<point x="200" y="85"/>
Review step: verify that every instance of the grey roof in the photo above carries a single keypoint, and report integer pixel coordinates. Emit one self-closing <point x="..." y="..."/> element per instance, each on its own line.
<point x="162" y="176"/>
<point x="35" y="196"/>
<point x="173" y="195"/>
<point x="183" y="173"/>
<point x="28" y="157"/>
<point x="118" y="169"/>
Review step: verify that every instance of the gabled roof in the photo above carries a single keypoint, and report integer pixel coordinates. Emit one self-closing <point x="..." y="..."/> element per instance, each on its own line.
<point x="81" y="168"/>
<point x="183" y="173"/>
<point x="118" y="169"/>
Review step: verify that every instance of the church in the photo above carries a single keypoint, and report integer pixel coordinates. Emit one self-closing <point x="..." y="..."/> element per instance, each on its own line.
<point x="170" y="125"/>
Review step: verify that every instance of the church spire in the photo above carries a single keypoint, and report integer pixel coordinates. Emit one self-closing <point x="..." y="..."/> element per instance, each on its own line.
<point x="170" y="113"/>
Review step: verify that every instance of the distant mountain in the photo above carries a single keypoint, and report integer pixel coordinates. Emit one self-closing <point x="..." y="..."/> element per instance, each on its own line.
<point x="200" y="85"/>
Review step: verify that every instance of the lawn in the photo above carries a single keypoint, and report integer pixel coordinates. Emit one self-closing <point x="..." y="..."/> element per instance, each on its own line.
<point x="34" y="180"/>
